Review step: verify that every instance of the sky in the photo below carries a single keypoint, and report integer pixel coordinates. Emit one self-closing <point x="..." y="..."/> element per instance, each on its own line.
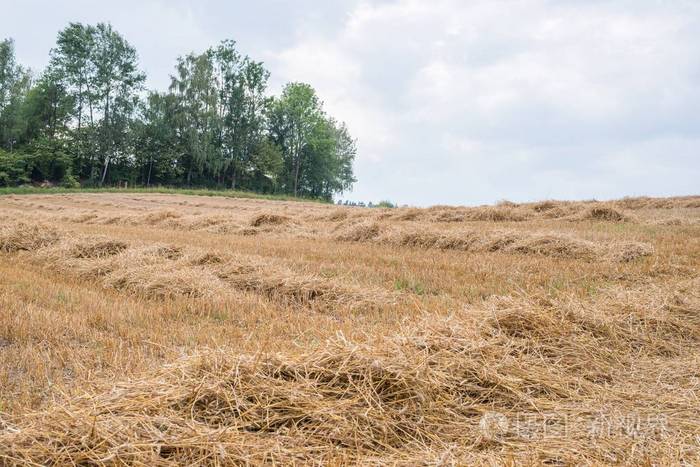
<point x="451" y="101"/>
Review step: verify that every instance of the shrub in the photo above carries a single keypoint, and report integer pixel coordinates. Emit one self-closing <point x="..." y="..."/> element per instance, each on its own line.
<point x="15" y="168"/>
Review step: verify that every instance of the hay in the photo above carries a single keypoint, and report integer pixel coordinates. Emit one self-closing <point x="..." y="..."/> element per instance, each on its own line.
<point x="449" y="216"/>
<point x="504" y="213"/>
<point x="164" y="271"/>
<point x="97" y="248"/>
<point x="544" y="206"/>
<point x="606" y="214"/>
<point x="269" y="219"/>
<point x="207" y="258"/>
<point x="410" y="214"/>
<point x="164" y="251"/>
<point x="447" y="389"/>
<point x="644" y="202"/>
<point x="501" y="213"/>
<point x="629" y="251"/>
<point x="160" y="282"/>
<point x="282" y="285"/>
<point x="336" y="216"/>
<point x="360" y="233"/>
<point x="247" y="231"/>
<point x="554" y="245"/>
<point x="26" y="237"/>
<point x="160" y="216"/>
<point x="84" y="218"/>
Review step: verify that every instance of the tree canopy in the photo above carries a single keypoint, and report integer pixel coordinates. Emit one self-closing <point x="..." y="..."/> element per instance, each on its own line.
<point x="88" y="120"/>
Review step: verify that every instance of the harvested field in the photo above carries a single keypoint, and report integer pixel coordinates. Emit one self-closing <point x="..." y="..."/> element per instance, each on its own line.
<point x="149" y="329"/>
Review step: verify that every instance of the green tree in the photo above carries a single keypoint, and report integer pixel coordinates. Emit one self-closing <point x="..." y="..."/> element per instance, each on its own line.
<point x="318" y="152"/>
<point x="242" y="103"/>
<point x="294" y="117"/>
<point x="99" y="70"/>
<point x="46" y="110"/>
<point x="196" y="117"/>
<point x="15" y="82"/>
<point x="72" y="64"/>
<point x="266" y="165"/>
<point x="156" y="140"/>
<point x="216" y="125"/>
<point x="117" y="80"/>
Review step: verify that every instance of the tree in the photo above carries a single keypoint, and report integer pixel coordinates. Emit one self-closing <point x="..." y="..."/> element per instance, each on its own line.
<point x="345" y="151"/>
<point x="85" y="117"/>
<point x="99" y="70"/>
<point x="46" y="110"/>
<point x="117" y="80"/>
<point x="74" y="68"/>
<point x="15" y="82"/>
<point x="196" y="117"/>
<point x="266" y="165"/>
<point x="318" y="152"/>
<point x="295" y="115"/>
<point x="241" y="84"/>
<point x="156" y="142"/>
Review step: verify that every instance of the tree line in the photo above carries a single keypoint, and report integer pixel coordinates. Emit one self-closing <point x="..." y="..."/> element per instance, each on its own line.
<point x="88" y="120"/>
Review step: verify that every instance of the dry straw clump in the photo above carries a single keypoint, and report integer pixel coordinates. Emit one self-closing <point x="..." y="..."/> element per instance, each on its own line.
<point x="547" y="343"/>
<point x="160" y="216"/>
<point x="644" y="202"/>
<point x="497" y="214"/>
<point x="98" y="248"/>
<point x="269" y="219"/>
<point x="512" y="242"/>
<point x="164" y="271"/>
<point x="360" y="233"/>
<point x="306" y="290"/>
<point x="160" y="281"/>
<point x="605" y="213"/>
<point x="476" y="387"/>
<point x="26" y="237"/>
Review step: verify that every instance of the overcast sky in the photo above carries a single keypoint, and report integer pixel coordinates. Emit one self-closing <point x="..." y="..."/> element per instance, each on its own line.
<point x="451" y="101"/>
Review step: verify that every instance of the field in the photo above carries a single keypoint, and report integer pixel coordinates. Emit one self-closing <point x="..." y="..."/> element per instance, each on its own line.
<point x="165" y="329"/>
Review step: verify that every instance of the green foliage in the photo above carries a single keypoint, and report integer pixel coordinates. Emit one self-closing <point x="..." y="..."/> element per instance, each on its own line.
<point x="15" y="168"/>
<point x="385" y="204"/>
<point x="15" y="82"/>
<point x="84" y="121"/>
<point x="317" y="151"/>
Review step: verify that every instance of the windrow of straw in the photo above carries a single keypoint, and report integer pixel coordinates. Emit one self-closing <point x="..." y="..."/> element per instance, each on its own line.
<point x="658" y="203"/>
<point x="25" y="237"/>
<point x="158" y="271"/>
<point x="269" y="219"/>
<point x="605" y="213"/>
<point x="502" y="213"/>
<point x="168" y="219"/>
<point x="476" y="387"/>
<point x="218" y="223"/>
<point x="512" y="242"/>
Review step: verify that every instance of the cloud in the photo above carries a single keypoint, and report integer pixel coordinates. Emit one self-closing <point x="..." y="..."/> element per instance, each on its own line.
<point x="467" y="102"/>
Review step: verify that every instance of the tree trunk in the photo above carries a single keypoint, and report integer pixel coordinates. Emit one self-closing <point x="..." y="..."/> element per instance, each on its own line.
<point x="296" y="174"/>
<point x="104" y="172"/>
<point x="107" y="136"/>
<point x="150" y="167"/>
<point x="79" y="155"/>
<point x="233" y="176"/>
